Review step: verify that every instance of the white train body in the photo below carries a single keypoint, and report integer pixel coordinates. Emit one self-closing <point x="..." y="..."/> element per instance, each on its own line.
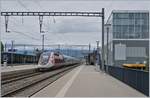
<point x="55" y="59"/>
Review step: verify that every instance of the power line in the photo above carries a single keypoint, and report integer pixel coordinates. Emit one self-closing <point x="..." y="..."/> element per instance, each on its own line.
<point x="37" y="3"/>
<point x="25" y="35"/>
<point x="17" y="23"/>
<point x="23" y="5"/>
<point x="20" y="25"/>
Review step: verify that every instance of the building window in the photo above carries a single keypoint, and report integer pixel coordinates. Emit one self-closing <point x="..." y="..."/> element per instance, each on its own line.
<point x="139" y="21"/>
<point x="131" y="25"/>
<point x="131" y="15"/>
<point x="138" y="15"/>
<point x="120" y="52"/>
<point x="136" y="52"/>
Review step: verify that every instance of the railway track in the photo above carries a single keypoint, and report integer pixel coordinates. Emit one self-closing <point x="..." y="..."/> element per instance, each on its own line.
<point x="19" y="77"/>
<point x="27" y="85"/>
<point x="19" y="73"/>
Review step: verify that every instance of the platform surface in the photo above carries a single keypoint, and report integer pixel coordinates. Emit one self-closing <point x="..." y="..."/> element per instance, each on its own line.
<point x="18" y="67"/>
<point x="85" y="81"/>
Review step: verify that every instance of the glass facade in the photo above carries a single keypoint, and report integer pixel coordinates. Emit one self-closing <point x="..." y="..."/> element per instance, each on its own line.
<point x="131" y="25"/>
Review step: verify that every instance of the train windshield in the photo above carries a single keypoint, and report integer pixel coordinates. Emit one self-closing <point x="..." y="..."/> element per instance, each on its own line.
<point x="44" y="58"/>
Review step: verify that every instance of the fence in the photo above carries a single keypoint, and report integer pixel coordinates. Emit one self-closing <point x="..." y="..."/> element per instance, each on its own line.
<point x="135" y="78"/>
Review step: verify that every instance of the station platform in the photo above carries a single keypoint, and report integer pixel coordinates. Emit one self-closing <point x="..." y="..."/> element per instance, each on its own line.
<point x="86" y="81"/>
<point x="18" y="67"/>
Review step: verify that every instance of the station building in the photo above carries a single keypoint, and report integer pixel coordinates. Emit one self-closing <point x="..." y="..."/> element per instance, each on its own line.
<point x="128" y="37"/>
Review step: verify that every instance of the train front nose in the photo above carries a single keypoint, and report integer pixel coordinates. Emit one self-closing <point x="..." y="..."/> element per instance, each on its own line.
<point x="43" y="61"/>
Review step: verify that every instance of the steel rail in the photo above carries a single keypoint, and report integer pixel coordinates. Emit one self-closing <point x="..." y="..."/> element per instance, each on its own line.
<point x="14" y="88"/>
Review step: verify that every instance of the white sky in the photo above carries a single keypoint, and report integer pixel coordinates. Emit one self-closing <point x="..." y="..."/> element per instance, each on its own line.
<point x="65" y="30"/>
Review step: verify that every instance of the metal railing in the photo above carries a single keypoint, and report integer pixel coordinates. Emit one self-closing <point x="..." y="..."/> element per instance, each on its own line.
<point x="137" y="79"/>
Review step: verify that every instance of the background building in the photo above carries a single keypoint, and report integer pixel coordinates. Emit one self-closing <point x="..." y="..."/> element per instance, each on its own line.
<point x="128" y="37"/>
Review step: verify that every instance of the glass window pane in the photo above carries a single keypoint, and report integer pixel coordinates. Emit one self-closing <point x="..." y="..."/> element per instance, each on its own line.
<point x="131" y="15"/>
<point x="131" y="25"/>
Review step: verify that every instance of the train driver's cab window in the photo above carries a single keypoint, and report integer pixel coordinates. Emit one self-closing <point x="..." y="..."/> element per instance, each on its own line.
<point x="44" y="58"/>
<point x="56" y="54"/>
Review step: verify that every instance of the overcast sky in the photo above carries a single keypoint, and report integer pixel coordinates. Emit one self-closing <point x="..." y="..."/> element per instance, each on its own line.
<point x="61" y="30"/>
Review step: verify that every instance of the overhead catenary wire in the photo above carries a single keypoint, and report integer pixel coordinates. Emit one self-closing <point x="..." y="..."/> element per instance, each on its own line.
<point x="12" y="21"/>
<point x="24" y="34"/>
<point x="24" y="6"/>
<point x="44" y="9"/>
<point x="38" y="4"/>
<point x="22" y="20"/>
<point x="20" y="26"/>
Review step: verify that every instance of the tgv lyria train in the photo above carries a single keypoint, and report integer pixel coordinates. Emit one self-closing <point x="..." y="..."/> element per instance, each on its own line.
<point x="55" y="59"/>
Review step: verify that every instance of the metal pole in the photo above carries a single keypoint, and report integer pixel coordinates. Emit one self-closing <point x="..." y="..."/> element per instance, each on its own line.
<point x="97" y="55"/>
<point x="5" y="46"/>
<point x="6" y="24"/>
<point x="12" y="43"/>
<point x="107" y="42"/>
<point x="97" y="44"/>
<point x="103" y="38"/>
<point x="40" y="21"/>
<point x="43" y="42"/>
<point x="89" y="48"/>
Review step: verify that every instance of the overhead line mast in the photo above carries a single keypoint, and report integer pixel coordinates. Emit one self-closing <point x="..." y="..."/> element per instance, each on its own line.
<point x="41" y="14"/>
